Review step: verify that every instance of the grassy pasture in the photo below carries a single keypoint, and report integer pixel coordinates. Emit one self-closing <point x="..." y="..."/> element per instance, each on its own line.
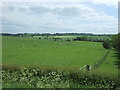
<point x="34" y="52"/>
<point x="109" y="66"/>
<point x="55" y="64"/>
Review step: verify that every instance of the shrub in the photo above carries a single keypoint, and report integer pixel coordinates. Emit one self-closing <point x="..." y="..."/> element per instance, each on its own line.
<point x="31" y="78"/>
<point x="106" y="44"/>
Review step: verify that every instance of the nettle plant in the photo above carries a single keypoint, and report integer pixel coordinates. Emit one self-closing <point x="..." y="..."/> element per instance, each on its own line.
<point x="37" y="78"/>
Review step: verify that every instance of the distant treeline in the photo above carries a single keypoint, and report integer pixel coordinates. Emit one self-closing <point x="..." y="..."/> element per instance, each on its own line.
<point x="92" y="39"/>
<point x="55" y="34"/>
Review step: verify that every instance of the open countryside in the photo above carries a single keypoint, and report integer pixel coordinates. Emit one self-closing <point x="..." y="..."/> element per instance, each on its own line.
<point x="60" y="44"/>
<point x="53" y="53"/>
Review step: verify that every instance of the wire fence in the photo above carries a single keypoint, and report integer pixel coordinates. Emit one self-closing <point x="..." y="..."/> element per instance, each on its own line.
<point x="99" y="62"/>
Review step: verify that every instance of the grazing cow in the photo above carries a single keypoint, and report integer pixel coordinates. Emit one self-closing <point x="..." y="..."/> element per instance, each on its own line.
<point x="87" y="67"/>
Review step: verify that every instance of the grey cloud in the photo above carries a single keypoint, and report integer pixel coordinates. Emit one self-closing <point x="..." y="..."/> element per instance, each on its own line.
<point x="67" y="11"/>
<point x="8" y="9"/>
<point x="6" y="22"/>
<point x="40" y="9"/>
<point x="53" y="29"/>
<point x="60" y="11"/>
<point x="12" y="29"/>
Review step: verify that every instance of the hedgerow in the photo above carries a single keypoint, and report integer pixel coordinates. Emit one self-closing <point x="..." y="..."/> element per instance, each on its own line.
<point x="37" y="78"/>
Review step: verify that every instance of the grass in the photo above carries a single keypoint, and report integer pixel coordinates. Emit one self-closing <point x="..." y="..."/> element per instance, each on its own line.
<point x="26" y="51"/>
<point x="47" y="53"/>
<point x="51" y="56"/>
<point x="109" y="66"/>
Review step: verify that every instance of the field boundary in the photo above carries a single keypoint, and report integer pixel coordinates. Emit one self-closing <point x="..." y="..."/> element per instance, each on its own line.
<point x="98" y="63"/>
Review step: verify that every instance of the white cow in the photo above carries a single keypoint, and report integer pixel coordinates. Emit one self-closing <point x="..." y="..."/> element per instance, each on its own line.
<point x="87" y="67"/>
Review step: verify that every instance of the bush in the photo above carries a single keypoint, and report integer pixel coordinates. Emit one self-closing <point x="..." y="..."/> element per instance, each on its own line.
<point x="36" y="78"/>
<point x="106" y="44"/>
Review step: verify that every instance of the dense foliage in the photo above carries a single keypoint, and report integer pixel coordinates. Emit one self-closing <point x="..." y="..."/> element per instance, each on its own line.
<point x="116" y="42"/>
<point x="36" y="78"/>
<point x="106" y="44"/>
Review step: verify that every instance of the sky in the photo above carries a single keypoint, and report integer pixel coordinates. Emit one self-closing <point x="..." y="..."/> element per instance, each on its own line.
<point x="58" y="16"/>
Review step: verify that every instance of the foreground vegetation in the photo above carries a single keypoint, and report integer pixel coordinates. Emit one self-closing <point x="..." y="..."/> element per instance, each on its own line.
<point x="37" y="78"/>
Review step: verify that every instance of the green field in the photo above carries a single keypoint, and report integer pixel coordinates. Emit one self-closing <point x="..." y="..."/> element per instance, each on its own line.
<point x="72" y="55"/>
<point x="30" y="62"/>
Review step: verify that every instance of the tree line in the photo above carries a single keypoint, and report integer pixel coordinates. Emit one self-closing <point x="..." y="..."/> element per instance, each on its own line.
<point x="55" y="34"/>
<point x="113" y="43"/>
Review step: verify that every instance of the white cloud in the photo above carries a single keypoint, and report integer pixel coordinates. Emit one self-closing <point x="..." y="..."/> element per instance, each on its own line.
<point x="57" y="17"/>
<point x="106" y="2"/>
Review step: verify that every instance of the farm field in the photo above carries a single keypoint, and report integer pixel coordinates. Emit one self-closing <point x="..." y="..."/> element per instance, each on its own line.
<point x="30" y="62"/>
<point x="64" y="55"/>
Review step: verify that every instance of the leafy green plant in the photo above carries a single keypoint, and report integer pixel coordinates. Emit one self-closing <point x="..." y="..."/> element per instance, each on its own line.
<point x="31" y="78"/>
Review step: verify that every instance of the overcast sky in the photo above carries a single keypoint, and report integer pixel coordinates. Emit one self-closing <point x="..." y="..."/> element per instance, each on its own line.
<point x="90" y="16"/>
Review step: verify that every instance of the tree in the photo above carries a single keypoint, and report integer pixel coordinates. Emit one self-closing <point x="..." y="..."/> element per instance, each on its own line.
<point x="116" y="42"/>
<point x="106" y="44"/>
<point x="84" y="38"/>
